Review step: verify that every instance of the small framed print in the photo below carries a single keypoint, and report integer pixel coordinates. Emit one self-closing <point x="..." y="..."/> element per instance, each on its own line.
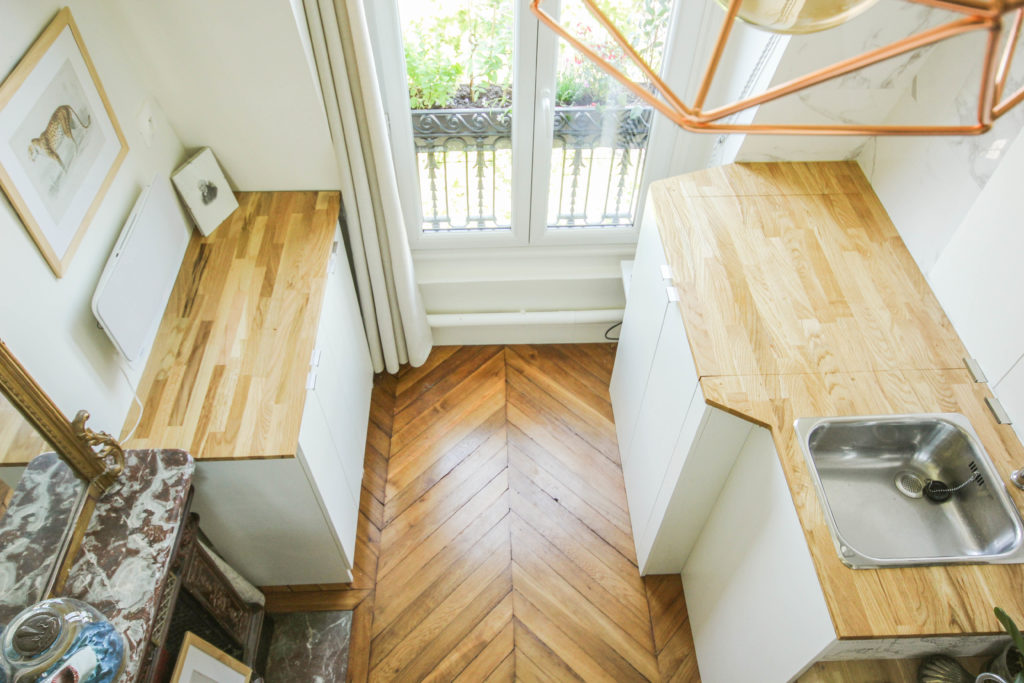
<point x="205" y="191"/>
<point x="201" y="662"/>
<point x="60" y="143"/>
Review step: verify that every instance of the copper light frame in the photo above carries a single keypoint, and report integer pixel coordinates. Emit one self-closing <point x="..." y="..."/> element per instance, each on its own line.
<point x="978" y="15"/>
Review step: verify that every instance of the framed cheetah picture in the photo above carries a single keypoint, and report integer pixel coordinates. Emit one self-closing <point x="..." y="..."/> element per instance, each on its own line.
<point x="60" y="143"/>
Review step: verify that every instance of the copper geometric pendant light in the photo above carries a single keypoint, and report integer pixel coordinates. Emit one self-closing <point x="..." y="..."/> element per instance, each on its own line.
<point x="786" y="16"/>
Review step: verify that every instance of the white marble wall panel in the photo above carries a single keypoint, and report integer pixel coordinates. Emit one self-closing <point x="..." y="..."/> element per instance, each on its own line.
<point x="979" y="278"/>
<point x="928" y="184"/>
<point x="864" y="96"/>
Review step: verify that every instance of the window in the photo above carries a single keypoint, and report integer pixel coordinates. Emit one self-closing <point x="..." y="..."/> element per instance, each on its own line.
<point x="512" y="138"/>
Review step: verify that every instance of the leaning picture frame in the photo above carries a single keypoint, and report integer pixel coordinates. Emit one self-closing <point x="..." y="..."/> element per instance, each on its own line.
<point x="60" y="142"/>
<point x="201" y="662"/>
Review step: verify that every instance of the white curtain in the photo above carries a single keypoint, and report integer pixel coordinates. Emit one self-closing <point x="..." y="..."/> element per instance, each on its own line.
<point x="392" y="308"/>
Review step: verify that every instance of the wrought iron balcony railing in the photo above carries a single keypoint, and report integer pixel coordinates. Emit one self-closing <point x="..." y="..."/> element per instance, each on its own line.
<point x="465" y="158"/>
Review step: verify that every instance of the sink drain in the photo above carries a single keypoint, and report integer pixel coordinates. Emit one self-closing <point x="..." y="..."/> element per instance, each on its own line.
<point x="909" y="484"/>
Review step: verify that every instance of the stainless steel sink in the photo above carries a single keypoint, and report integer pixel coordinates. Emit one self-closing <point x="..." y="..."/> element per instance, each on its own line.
<point x="903" y="490"/>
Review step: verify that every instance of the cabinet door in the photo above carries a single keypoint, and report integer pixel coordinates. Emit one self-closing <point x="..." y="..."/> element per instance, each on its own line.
<point x="268" y="522"/>
<point x="671" y="389"/>
<point x="319" y="457"/>
<point x="751" y="566"/>
<point x="344" y="375"/>
<point x="641" y="326"/>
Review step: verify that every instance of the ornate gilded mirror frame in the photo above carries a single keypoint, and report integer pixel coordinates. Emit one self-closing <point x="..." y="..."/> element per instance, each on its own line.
<point x="95" y="456"/>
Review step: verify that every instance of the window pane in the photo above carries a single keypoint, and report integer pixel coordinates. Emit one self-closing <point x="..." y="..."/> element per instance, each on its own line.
<point x="458" y="56"/>
<point x="601" y="129"/>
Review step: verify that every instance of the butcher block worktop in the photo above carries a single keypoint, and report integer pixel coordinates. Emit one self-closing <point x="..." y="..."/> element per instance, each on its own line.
<point x="800" y="300"/>
<point x="226" y="378"/>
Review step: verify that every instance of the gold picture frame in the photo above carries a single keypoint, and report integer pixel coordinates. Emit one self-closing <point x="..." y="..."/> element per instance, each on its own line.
<point x="201" y="662"/>
<point x="60" y="142"/>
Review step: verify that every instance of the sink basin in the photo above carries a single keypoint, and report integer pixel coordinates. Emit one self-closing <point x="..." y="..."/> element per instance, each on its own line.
<point x="902" y="490"/>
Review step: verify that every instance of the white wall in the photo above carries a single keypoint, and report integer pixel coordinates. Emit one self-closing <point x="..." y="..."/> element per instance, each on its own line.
<point x="864" y="96"/>
<point x="234" y="75"/>
<point x="48" y="322"/>
<point x="979" y="279"/>
<point x="929" y="184"/>
<point x="956" y="202"/>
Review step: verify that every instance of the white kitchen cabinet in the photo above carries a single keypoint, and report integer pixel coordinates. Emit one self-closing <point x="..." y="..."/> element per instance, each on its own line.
<point x="641" y="326"/>
<point x="676" y="451"/>
<point x="332" y="438"/>
<point x="321" y="462"/>
<point x="292" y="520"/>
<point x="342" y="371"/>
<point x="756" y="608"/>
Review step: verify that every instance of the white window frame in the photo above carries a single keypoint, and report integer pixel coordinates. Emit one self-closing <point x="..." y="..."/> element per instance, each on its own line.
<point x="688" y="21"/>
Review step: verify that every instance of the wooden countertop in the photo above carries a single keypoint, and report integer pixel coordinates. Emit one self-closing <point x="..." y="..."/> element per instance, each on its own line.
<point x="226" y="378"/>
<point x="800" y="300"/>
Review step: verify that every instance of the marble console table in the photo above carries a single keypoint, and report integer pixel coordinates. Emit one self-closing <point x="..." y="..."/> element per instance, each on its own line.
<point x="125" y="556"/>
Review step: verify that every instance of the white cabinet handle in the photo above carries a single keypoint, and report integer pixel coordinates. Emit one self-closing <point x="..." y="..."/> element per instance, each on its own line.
<point x="311" y="380"/>
<point x="332" y="260"/>
<point x="666" y="271"/>
<point x="314" y="360"/>
<point x="672" y="293"/>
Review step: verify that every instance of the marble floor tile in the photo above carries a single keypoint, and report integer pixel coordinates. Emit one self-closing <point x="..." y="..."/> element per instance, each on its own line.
<point x="309" y="646"/>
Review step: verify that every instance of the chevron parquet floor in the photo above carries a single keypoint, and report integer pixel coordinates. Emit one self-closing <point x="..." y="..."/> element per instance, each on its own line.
<point x="494" y="539"/>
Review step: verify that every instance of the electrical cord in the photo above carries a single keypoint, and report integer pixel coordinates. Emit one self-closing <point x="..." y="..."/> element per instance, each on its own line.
<point x="137" y="400"/>
<point x="608" y="331"/>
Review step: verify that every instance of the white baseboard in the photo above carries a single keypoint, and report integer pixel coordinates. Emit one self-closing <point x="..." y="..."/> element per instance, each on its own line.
<point x="579" y="333"/>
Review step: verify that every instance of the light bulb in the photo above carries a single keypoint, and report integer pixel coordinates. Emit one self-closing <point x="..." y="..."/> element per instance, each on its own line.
<point x="799" y="16"/>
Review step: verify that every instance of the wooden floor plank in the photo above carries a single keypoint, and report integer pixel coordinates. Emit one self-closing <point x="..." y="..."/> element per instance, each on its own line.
<point x="504" y="673"/>
<point x="494" y="541"/>
<point x="451" y="527"/>
<point x="436" y="506"/>
<point x="535" y="661"/>
<point x="547" y="367"/>
<point x="427" y="564"/>
<point x="482" y="385"/>
<point x="592" y="624"/>
<point x="581" y="458"/>
<point x="668" y="607"/>
<point x="596" y="358"/>
<point x="496" y="651"/>
<point x="606" y="501"/>
<point x="441" y="381"/>
<point x="388" y="635"/>
<point x="677" y="661"/>
<point x="588" y="414"/>
<point x="409" y="485"/>
<point x="359" y="642"/>
<point x="554" y="635"/>
<point x="567" y="374"/>
<point x="448" y="435"/>
<point x="409" y="377"/>
<point x="466" y="648"/>
<point x="576" y="627"/>
<point x="591" y="428"/>
<point x="527" y="544"/>
<point x="587" y="550"/>
<point x="315" y="601"/>
<point x="450" y="623"/>
<point x="618" y="537"/>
